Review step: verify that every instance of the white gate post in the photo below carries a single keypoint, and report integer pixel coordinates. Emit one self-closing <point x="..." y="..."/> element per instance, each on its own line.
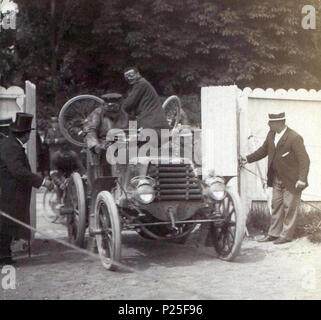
<point x="30" y="107"/>
<point x="219" y="130"/>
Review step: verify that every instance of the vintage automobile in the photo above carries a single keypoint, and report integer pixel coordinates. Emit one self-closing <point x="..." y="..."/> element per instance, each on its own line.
<point x="161" y="198"/>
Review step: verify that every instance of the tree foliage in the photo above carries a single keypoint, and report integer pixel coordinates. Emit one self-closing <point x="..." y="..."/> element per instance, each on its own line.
<point x="179" y="46"/>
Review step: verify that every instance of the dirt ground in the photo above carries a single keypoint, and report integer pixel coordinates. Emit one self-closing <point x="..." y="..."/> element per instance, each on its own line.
<point x="167" y="271"/>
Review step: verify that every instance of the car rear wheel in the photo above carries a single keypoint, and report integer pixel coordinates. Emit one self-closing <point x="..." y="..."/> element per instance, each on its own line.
<point x="77" y="218"/>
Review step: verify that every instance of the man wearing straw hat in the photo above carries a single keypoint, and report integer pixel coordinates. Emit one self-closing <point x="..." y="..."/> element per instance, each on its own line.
<point x="16" y="181"/>
<point x="288" y="167"/>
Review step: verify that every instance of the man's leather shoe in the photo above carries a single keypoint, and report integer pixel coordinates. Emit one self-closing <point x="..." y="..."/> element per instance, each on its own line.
<point x="281" y="241"/>
<point x="267" y="239"/>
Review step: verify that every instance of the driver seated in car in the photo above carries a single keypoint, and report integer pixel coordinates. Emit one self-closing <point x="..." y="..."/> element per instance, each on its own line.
<point x="108" y="116"/>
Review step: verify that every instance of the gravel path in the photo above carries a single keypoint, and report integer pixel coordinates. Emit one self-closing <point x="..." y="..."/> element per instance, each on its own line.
<point x="168" y="271"/>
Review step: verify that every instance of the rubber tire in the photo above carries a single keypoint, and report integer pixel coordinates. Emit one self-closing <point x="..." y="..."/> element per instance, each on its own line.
<point x="63" y="110"/>
<point x="82" y="217"/>
<point x="107" y="199"/>
<point x="169" y="100"/>
<point x="240" y="218"/>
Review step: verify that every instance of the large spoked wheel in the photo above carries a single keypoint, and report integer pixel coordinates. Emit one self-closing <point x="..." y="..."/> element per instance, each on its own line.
<point x="77" y="218"/>
<point x="108" y="231"/>
<point x="172" y="108"/>
<point x="227" y="237"/>
<point x="73" y="115"/>
<point x="50" y="204"/>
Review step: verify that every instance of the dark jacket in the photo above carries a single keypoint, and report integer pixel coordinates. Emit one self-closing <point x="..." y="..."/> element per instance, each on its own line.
<point x="50" y="137"/>
<point x="98" y="123"/>
<point x="67" y="162"/>
<point x="16" y="180"/>
<point x="144" y="102"/>
<point x="289" y="159"/>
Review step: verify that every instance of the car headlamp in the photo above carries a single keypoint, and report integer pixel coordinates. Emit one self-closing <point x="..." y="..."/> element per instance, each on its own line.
<point x="144" y="189"/>
<point x="216" y="188"/>
<point x="145" y="194"/>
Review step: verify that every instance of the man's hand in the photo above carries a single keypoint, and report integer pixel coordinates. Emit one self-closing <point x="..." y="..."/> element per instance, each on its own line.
<point x="48" y="184"/>
<point x="243" y="161"/>
<point x="300" y="184"/>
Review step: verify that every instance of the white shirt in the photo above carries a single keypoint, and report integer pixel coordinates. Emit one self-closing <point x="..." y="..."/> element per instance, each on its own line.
<point x="278" y="136"/>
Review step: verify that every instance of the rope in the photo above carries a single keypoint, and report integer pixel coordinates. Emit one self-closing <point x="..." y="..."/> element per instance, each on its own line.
<point x="96" y="256"/>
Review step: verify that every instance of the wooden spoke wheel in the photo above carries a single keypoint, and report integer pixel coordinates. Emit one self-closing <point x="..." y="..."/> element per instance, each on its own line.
<point x="172" y="108"/>
<point x="77" y="220"/>
<point x="107" y="230"/>
<point x="73" y="115"/>
<point x="228" y="236"/>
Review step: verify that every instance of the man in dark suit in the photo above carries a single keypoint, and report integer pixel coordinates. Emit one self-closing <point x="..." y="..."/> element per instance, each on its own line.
<point x="143" y="101"/>
<point x="288" y="167"/>
<point x="4" y="130"/>
<point x="16" y="181"/>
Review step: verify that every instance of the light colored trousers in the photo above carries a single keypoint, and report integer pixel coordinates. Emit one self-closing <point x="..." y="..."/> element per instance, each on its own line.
<point x="284" y="211"/>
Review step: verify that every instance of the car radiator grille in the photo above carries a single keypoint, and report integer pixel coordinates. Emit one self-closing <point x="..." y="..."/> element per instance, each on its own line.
<point x="175" y="182"/>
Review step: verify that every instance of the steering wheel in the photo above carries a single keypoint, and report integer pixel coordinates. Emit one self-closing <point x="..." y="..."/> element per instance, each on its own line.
<point x="172" y="107"/>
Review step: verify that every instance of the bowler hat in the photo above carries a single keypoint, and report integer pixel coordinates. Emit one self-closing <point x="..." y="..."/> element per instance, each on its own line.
<point x="5" y="122"/>
<point x="276" y="116"/>
<point x="22" y="123"/>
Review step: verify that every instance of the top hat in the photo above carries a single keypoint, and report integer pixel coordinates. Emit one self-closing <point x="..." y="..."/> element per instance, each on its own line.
<point x="276" y="116"/>
<point x="112" y="101"/>
<point x="5" y="122"/>
<point x="22" y="123"/>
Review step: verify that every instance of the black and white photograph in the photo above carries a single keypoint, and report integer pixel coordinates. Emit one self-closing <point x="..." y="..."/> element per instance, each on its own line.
<point x="160" y="150"/>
